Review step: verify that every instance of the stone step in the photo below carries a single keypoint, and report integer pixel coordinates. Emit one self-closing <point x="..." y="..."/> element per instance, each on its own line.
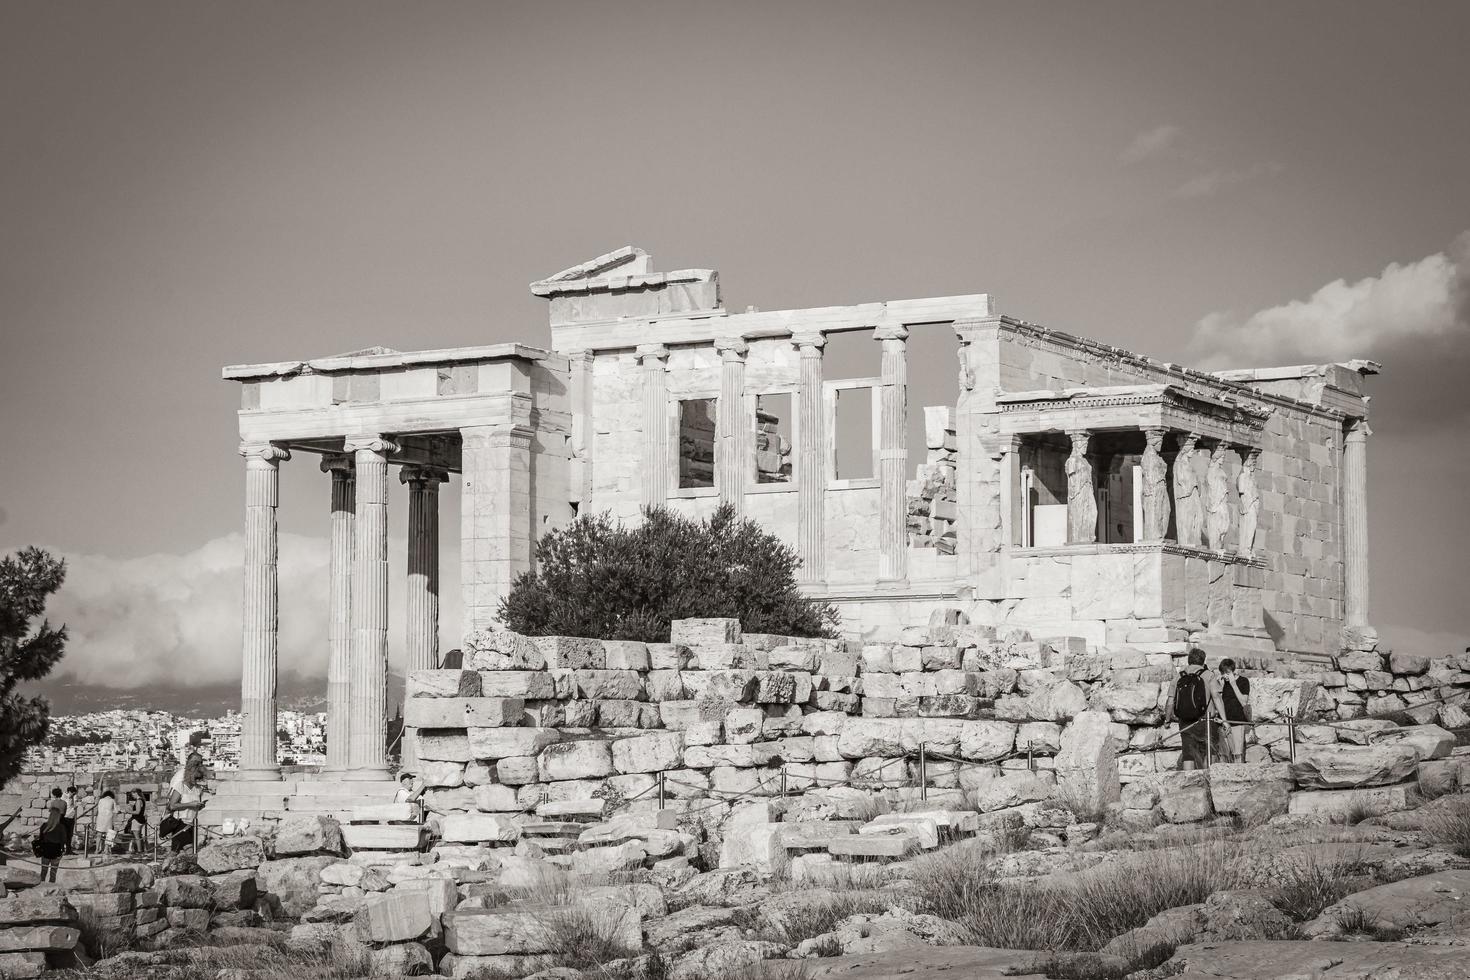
<point x="385" y="813"/>
<point x="890" y="847"/>
<point x="585" y="811"/>
<point x="383" y="836"/>
<point x="552" y="828"/>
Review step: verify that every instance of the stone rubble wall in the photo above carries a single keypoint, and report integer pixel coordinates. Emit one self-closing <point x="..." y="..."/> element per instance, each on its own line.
<point x="28" y="793"/>
<point x="547" y="721"/>
<point x="931" y="497"/>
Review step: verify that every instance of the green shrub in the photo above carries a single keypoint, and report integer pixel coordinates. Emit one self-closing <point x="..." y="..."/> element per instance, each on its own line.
<point x="599" y="578"/>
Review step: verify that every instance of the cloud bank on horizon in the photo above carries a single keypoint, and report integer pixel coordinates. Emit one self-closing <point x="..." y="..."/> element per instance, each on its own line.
<point x="173" y="620"/>
<point x="1403" y="306"/>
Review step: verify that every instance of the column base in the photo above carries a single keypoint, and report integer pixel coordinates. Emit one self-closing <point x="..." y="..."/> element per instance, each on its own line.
<point x="270" y="774"/>
<point x="368" y="774"/>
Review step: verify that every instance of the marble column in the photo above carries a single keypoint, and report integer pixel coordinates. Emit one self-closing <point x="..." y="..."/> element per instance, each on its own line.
<point x="731" y="428"/>
<point x="422" y="627"/>
<point x="496" y="536"/>
<point x="1188" y="510"/>
<point x="999" y="512"/>
<point x="579" y="470"/>
<point x="1355" y="522"/>
<point x="1250" y="500"/>
<point x="339" y="628"/>
<point x="811" y="469"/>
<point x="368" y="681"/>
<point x="1154" y="475"/>
<point x="654" y="360"/>
<point x="260" y="638"/>
<point x="893" y="544"/>
<point x="1081" y="491"/>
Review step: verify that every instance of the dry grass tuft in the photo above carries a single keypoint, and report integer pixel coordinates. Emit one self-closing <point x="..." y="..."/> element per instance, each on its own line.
<point x="817" y="918"/>
<point x="1083" y="914"/>
<point x="1449" y="826"/>
<point x="1304" y="887"/>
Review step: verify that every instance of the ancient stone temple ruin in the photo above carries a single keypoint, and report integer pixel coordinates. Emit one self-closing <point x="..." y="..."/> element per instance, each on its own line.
<point x="1064" y="487"/>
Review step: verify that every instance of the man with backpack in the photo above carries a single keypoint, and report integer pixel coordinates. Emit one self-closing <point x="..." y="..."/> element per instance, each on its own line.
<point x="1195" y="705"/>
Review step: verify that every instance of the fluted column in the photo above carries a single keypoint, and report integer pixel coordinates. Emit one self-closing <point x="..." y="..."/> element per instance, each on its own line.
<point x="368" y="686"/>
<point x="1355" y="521"/>
<point x="893" y="546"/>
<point x="339" y="628"/>
<point x="422" y="613"/>
<point x="811" y="471"/>
<point x="261" y="622"/>
<point x="1081" y="491"/>
<point x="653" y="358"/>
<point x="731" y="436"/>
<point x="1155" y="491"/>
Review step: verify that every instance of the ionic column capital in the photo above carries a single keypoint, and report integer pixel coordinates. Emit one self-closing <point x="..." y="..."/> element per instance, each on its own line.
<point x="731" y="348"/>
<point x="266" y="451"/>
<point x="423" y="477"/>
<point x="656" y="353"/>
<point x="1358" y="430"/>
<point x="891" y="331"/>
<point x="810" y="342"/>
<point x="370" y="443"/>
<point x="339" y="464"/>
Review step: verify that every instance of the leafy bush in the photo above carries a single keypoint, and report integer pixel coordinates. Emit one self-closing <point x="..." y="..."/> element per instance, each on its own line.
<point x="27" y="579"/>
<point x="596" y="577"/>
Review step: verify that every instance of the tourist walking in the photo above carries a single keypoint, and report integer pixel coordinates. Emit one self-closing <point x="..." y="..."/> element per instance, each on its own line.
<point x="70" y="816"/>
<point x="136" y="825"/>
<point x="1235" y="695"/>
<point x="102" y="818"/>
<point x="185" y="800"/>
<point x="51" y="841"/>
<point x="1194" y="704"/>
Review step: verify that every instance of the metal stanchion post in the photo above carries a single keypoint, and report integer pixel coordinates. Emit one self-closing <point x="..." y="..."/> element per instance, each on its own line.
<point x="1291" y="738"/>
<point x="1209" y="737"/>
<point x="783" y="780"/>
<point x="924" y="771"/>
<point x="660" y="789"/>
<point x="1030" y="757"/>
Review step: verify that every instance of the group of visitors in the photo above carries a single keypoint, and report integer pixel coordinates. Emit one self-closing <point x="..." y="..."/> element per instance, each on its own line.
<point x="1212" y="710"/>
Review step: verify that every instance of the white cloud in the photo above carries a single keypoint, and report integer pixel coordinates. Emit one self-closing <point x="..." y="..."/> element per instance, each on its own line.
<point x="1404" y="304"/>
<point x="1149" y="143"/>
<point x="1214" y="181"/>
<point x="174" y="619"/>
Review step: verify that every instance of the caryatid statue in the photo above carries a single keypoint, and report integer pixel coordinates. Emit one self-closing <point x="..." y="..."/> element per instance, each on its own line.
<point x="1250" y="501"/>
<point x="1188" y="512"/>
<point x="1217" y="498"/>
<point x="1155" y="479"/>
<point x="1081" y="500"/>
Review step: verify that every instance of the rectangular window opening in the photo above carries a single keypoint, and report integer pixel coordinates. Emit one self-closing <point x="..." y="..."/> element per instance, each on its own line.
<point x="854" y="434"/>
<point x="696" y="443"/>
<point x="771" y="447"/>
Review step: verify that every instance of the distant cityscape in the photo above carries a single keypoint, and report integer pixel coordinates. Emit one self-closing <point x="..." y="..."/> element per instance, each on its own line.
<point x="138" y="740"/>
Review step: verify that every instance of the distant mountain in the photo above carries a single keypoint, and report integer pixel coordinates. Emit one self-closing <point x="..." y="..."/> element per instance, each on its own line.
<point x="293" y="692"/>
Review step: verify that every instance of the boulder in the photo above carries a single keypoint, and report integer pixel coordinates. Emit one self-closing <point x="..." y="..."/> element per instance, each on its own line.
<point x="503" y="743"/>
<point x="293" y="884"/>
<point x="1414" y="903"/>
<point x="231" y="854"/>
<point x="401" y="960"/>
<point x="1087" y="765"/>
<point x="186" y="892"/>
<point x="109" y="878"/>
<point x="1335" y="805"/>
<point x="722" y="959"/>
<point x="396" y="916"/>
<point x="474" y="828"/>
<point x="46" y="939"/>
<point x="1257" y="790"/>
<point x="1299" y="959"/>
<point x="584" y="759"/>
<point x="22" y="966"/>
<point x="443" y="684"/>
<point x="1352" y="766"/>
<point x="1431" y="741"/>
<point x="648" y="753"/>
<point x="1280" y="698"/>
<point x="982" y="741"/>
<point x="308" y="833"/>
<point x="500" y="649"/>
<point x="499" y="932"/>
<point x="233" y="890"/>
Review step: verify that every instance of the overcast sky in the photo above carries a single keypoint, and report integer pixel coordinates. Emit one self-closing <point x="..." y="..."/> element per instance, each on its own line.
<point x="186" y="185"/>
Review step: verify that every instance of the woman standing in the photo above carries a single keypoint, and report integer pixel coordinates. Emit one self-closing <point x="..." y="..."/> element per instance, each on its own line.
<point x="137" y="820"/>
<point x="1235" y="695"/>
<point x="52" y="843"/>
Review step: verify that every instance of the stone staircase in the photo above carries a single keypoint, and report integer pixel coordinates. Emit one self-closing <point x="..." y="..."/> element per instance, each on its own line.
<point x="265" y="801"/>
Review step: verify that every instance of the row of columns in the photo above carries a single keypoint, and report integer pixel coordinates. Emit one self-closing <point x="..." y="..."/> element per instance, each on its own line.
<point x="733" y="442"/>
<point x="357" y="669"/>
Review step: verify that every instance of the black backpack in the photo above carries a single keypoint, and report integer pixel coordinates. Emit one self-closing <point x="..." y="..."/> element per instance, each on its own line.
<point x="1190" y="696"/>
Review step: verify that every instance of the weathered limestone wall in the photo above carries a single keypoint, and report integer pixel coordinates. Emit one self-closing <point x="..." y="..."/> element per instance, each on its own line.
<point x="555" y="720"/>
